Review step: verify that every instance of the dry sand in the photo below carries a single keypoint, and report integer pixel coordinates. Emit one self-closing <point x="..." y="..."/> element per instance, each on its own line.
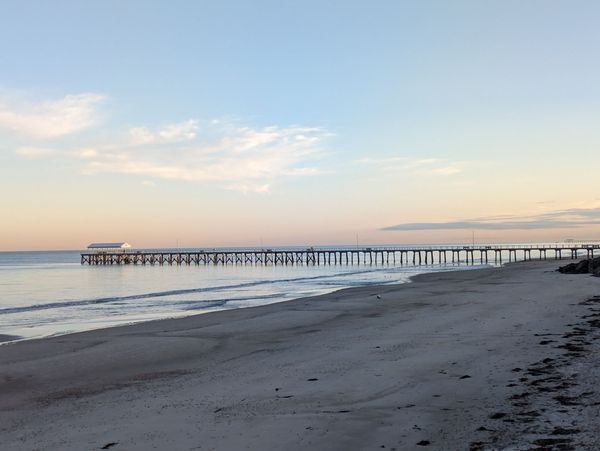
<point x="488" y="359"/>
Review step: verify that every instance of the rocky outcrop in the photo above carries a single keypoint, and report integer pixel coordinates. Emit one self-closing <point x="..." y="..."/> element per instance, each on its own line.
<point x="594" y="266"/>
<point x="591" y="266"/>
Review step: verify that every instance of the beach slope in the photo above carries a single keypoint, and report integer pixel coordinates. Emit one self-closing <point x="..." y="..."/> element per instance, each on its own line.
<point x="480" y="359"/>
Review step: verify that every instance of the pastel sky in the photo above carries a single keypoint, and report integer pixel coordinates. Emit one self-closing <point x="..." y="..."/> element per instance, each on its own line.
<point x="236" y="123"/>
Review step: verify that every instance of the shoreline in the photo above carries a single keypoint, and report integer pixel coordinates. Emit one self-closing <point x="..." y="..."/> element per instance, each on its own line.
<point x="428" y="361"/>
<point x="6" y="339"/>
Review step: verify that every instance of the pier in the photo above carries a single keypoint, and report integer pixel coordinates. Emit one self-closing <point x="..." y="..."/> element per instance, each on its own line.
<point x="403" y="255"/>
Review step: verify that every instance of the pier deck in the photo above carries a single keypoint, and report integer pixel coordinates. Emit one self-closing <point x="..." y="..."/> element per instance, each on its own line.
<point x="344" y="256"/>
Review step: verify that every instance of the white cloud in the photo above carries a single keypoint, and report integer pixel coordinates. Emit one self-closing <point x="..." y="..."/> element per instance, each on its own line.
<point x="444" y="169"/>
<point x="418" y="166"/>
<point x="222" y="152"/>
<point x="50" y="119"/>
<point x="260" y="189"/>
<point x="244" y="159"/>
<point x="423" y="162"/>
<point x="34" y="152"/>
<point x="87" y="153"/>
<point x="140" y="135"/>
<point x="179" y="132"/>
<point x="182" y="131"/>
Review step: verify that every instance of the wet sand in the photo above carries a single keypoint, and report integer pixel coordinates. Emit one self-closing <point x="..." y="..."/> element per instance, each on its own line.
<point x="469" y="360"/>
<point x="4" y="337"/>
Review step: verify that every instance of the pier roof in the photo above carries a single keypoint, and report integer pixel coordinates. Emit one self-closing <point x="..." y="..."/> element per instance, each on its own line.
<point x="122" y="245"/>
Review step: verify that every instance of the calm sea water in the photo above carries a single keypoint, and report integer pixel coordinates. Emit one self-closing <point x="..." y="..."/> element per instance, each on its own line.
<point x="51" y="293"/>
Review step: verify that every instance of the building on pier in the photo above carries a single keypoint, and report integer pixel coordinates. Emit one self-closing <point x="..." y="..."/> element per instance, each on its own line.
<point x="109" y="247"/>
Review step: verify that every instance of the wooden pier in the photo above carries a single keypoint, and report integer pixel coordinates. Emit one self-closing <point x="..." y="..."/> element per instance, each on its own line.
<point x="416" y="256"/>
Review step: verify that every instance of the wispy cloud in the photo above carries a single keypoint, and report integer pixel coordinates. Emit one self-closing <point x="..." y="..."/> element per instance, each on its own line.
<point x="51" y="118"/>
<point x="243" y="158"/>
<point x="252" y="188"/>
<point x="86" y="153"/>
<point x="34" y="152"/>
<point x="558" y="219"/>
<point x="418" y="166"/>
<point x="179" y="132"/>
<point x="229" y="154"/>
<point x="170" y="133"/>
<point x="447" y="169"/>
<point x="140" y="135"/>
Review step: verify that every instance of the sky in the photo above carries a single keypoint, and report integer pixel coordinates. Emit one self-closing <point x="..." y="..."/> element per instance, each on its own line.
<point x="237" y="123"/>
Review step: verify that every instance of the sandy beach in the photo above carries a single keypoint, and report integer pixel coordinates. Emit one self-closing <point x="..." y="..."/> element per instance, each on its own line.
<point x="502" y="359"/>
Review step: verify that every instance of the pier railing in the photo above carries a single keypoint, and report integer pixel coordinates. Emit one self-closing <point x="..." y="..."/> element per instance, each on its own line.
<point x="373" y="255"/>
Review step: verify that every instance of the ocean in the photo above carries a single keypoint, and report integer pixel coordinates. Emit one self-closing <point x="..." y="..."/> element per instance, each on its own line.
<point x="51" y="293"/>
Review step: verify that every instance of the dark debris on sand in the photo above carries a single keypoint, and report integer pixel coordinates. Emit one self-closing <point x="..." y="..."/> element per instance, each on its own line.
<point x="554" y="403"/>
